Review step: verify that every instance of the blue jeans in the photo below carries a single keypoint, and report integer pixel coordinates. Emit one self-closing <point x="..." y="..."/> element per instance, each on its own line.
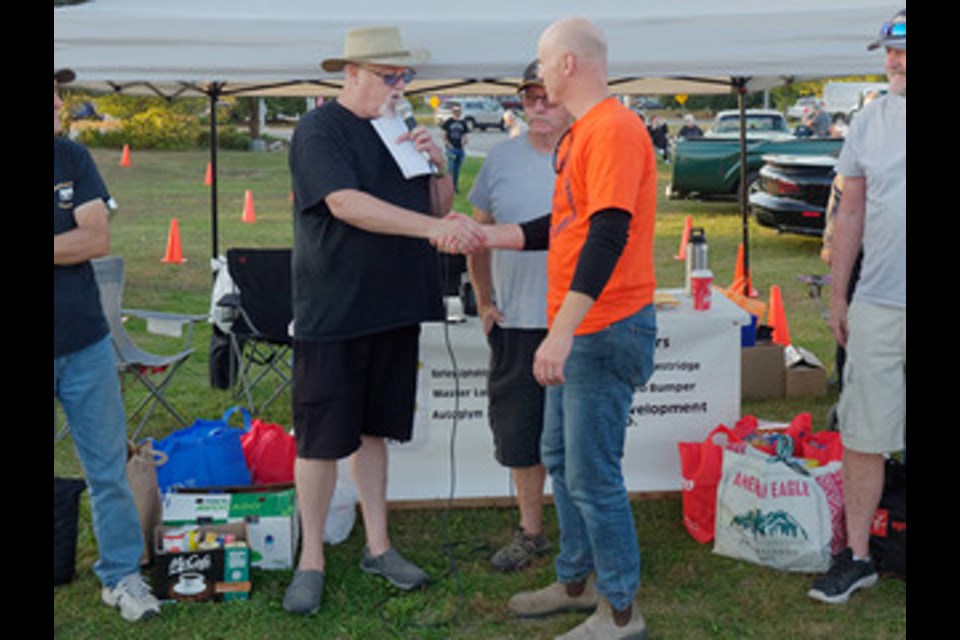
<point x="454" y="162"/>
<point x="86" y="384"/>
<point x="582" y="446"/>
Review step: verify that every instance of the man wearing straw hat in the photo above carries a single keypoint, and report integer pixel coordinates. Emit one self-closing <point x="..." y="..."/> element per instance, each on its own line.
<point x="364" y="277"/>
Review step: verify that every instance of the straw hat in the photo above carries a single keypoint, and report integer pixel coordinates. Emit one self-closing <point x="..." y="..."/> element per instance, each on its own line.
<point x="376" y="45"/>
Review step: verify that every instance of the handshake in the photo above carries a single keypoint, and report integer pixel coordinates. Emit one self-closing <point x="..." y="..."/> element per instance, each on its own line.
<point x="459" y="233"/>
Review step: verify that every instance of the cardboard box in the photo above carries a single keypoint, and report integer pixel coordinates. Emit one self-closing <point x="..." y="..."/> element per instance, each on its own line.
<point x="805" y="382"/>
<point x="269" y="512"/>
<point x="205" y="574"/>
<point x="762" y="371"/>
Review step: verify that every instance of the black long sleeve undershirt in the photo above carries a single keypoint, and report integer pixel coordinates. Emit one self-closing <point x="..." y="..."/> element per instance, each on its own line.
<point x="609" y="229"/>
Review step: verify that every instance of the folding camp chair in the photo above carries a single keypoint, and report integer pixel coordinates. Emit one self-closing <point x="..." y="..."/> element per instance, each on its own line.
<point x="260" y="336"/>
<point x="152" y="371"/>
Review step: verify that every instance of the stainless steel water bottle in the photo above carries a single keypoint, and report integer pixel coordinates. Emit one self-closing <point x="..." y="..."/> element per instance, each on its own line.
<point x="696" y="254"/>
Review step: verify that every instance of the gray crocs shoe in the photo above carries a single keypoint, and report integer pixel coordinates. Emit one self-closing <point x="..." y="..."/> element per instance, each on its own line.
<point x="398" y="570"/>
<point x="305" y="592"/>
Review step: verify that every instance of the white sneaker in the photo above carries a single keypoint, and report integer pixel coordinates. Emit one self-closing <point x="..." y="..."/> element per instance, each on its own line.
<point x="132" y="597"/>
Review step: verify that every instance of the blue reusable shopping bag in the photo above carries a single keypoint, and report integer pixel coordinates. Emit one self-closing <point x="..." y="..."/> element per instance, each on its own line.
<point x="208" y="453"/>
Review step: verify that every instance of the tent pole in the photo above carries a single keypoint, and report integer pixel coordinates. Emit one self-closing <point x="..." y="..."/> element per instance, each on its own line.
<point x="741" y="86"/>
<point x="214" y="93"/>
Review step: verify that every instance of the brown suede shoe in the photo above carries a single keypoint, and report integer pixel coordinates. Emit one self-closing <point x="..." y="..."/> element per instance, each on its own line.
<point x="552" y="599"/>
<point x="602" y="625"/>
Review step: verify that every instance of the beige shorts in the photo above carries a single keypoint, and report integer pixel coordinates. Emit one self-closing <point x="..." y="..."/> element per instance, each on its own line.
<point x="873" y="405"/>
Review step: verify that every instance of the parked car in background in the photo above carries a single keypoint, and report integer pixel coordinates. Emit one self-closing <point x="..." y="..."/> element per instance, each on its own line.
<point x="791" y="193"/>
<point x="803" y="106"/>
<point x="844" y="97"/>
<point x="760" y="123"/>
<point x="647" y="103"/>
<point x="477" y="113"/>
<point x="510" y="101"/>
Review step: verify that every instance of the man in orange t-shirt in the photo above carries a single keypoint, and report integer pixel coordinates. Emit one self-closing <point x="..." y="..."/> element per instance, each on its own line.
<point x="602" y="331"/>
<point x="603" y="164"/>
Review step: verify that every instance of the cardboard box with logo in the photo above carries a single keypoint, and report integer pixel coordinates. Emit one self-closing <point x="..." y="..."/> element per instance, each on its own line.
<point x="269" y="513"/>
<point x="202" y="563"/>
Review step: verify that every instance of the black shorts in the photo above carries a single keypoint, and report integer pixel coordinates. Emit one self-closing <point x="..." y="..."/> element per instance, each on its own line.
<point x="359" y="387"/>
<point x="516" y="398"/>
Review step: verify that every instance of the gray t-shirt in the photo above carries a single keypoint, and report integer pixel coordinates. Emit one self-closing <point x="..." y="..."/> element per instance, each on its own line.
<point x="876" y="149"/>
<point x="514" y="185"/>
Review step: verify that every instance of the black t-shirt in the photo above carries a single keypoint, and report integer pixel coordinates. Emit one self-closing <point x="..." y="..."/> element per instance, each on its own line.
<point x="78" y="319"/>
<point x="455" y="129"/>
<point x="348" y="282"/>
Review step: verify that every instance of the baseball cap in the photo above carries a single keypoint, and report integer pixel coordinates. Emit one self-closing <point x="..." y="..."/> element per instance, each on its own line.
<point x="63" y="76"/>
<point x="530" y="78"/>
<point x="893" y="33"/>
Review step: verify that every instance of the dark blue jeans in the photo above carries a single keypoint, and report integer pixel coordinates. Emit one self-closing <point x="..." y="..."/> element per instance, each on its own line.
<point x="454" y="162"/>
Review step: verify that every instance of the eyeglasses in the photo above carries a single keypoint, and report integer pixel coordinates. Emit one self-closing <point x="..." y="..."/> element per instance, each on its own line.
<point x="391" y="78"/>
<point x="893" y="30"/>
<point x="532" y="99"/>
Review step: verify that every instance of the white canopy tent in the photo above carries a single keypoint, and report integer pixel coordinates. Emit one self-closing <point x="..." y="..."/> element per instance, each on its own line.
<point x="257" y="48"/>
<point x="215" y="48"/>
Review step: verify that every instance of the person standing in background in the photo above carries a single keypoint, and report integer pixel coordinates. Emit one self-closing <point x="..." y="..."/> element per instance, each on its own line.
<point x="85" y="377"/>
<point x="872" y="218"/>
<point x="515" y="185"/>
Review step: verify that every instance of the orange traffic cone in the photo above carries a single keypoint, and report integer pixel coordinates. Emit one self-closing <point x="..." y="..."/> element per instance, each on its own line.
<point x="248" y="213"/>
<point x="777" y="318"/>
<point x="684" y="239"/>
<point x="174" y="253"/>
<point x="208" y="178"/>
<point x="125" y="156"/>
<point x="741" y="276"/>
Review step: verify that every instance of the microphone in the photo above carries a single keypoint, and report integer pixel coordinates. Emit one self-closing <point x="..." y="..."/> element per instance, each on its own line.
<point x="404" y="111"/>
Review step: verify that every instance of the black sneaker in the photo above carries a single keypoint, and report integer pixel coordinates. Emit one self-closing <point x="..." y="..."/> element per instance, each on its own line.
<point x="845" y="576"/>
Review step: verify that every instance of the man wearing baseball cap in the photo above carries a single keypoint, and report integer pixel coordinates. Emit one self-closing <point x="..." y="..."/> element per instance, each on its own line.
<point x="872" y="217"/>
<point x="84" y="371"/>
<point x="515" y="185"/>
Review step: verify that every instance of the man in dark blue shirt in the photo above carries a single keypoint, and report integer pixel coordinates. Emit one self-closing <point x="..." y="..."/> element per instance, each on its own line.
<point x="455" y="138"/>
<point x="84" y="371"/>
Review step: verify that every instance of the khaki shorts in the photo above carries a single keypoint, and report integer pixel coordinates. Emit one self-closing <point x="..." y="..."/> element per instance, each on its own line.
<point x="873" y="405"/>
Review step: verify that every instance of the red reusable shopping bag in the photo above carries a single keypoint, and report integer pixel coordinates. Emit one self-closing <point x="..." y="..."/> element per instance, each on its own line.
<point x="700" y="467"/>
<point x="270" y="452"/>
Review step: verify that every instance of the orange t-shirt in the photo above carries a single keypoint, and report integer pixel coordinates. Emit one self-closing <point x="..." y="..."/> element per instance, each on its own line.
<point x="605" y="160"/>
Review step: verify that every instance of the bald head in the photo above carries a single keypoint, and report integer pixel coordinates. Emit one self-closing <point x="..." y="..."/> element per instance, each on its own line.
<point x="577" y="36"/>
<point x="573" y="63"/>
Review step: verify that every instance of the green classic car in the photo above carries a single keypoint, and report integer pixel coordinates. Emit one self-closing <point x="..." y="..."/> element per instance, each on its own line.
<point x="710" y="166"/>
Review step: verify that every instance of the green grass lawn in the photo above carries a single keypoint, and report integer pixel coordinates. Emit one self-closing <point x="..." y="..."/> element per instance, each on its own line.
<point x="687" y="592"/>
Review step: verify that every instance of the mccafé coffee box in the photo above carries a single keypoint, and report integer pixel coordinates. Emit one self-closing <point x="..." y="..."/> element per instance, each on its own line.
<point x="202" y="563"/>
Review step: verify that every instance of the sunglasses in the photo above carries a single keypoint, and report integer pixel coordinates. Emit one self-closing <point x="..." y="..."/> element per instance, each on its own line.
<point x="561" y="152"/>
<point x="893" y="30"/>
<point x="392" y="78"/>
